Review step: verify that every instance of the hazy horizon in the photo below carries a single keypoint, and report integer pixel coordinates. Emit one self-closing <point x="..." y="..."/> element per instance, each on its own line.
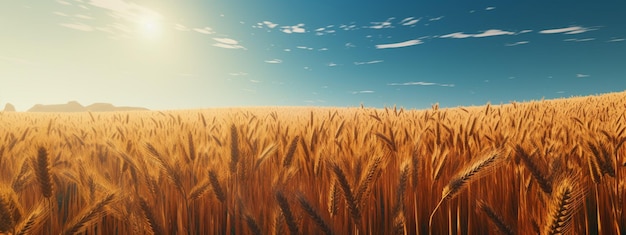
<point x="187" y="54"/>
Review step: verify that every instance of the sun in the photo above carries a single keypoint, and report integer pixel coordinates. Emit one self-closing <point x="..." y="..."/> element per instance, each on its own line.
<point x="149" y="28"/>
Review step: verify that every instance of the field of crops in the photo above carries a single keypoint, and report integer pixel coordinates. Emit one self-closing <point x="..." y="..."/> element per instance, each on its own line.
<point x="522" y="168"/>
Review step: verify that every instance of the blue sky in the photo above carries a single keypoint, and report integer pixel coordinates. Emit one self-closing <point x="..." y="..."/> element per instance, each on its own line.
<point x="165" y="54"/>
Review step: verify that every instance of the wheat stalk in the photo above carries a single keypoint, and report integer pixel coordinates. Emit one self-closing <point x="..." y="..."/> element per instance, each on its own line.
<point x="347" y="193"/>
<point x="566" y="200"/>
<point x="289" y="217"/>
<point x="151" y="218"/>
<point x="472" y="172"/>
<point x="88" y="215"/>
<point x="317" y="218"/>
<point x="33" y="221"/>
<point x="502" y="226"/>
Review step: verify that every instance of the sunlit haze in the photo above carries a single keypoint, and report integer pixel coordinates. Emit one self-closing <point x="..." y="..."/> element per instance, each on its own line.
<point x="198" y="54"/>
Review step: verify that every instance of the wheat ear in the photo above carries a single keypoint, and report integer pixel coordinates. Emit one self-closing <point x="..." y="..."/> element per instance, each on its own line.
<point x="347" y="193"/>
<point x="317" y="218"/>
<point x="495" y="218"/>
<point x="43" y="172"/>
<point x="33" y="221"/>
<point x="284" y="207"/>
<point x="88" y="216"/>
<point x="472" y="172"/>
<point x="150" y="217"/>
<point x="566" y="200"/>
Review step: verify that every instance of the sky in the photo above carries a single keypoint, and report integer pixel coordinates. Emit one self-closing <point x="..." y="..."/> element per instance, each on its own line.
<point x="191" y="54"/>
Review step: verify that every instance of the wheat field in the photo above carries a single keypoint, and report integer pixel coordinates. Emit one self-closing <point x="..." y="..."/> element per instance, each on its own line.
<point x="539" y="167"/>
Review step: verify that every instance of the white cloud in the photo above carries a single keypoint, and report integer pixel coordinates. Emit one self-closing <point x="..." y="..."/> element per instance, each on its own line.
<point x="274" y="61"/>
<point x="516" y="43"/>
<point x="411" y="22"/>
<point x="400" y="44"/>
<point x="304" y="48"/>
<point x="579" y="40"/>
<point x="382" y="25"/>
<point x="436" y="18"/>
<point x="180" y="27"/>
<point x="348" y="27"/>
<point x="84" y="17"/>
<point x="560" y="92"/>
<point x="227" y="43"/>
<point x="420" y="84"/>
<point x="456" y="35"/>
<point x="492" y="32"/>
<point x="362" y="92"/>
<point x="63" y="2"/>
<point x="238" y="74"/>
<point x="369" y="62"/>
<point x="323" y="49"/>
<point x="254" y="81"/>
<point x="293" y="29"/>
<point x="524" y="31"/>
<point x="270" y="24"/>
<point x="121" y="9"/>
<point x="331" y="64"/>
<point x="567" y="30"/>
<point x="59" y="13"/>
<point x="350" y="45"/>
<point x="616" y="40"/>
<point x="205" y="30"/>
<point x="488" y="33"/>
<point x="490" y="8"/>
<point x="580" y="75"/>
<point x="78" y="26"/>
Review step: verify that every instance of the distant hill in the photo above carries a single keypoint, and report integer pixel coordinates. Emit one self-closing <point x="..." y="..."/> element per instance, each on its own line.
<point x="74" y="106"/>
<point x="9" y="108"/>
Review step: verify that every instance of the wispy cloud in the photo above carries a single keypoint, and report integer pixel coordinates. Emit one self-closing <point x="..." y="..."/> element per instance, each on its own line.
<point x="181" y="27"/>
<point x="617" y="40"/>
<point x="305" y="48"/>
<point x="254" y="81"/>
<point x="580" y="75"/>
<point x="560" y="92"/>
<point x="492" y="32"/>
<point x="78" y="26"/>
<point x="331" y="64"/>
<point x="299" y="28"/>
<point x="270" y="24"/>
<point x="227" y="43"/>
<point x="436" y="18"/>
<point x="524" y="31"/>
<point x="362" y="92"/>
<point x="567" y="30"/>
<point x="121" y="9"/>
<point x="409" y="21"/>
<point x="273" y="61"/>
<point x="205" y="30"/>
<point x="516" y="43"/>
<point x="238" y="74"/>
<point x="369" y="62"/>
<point x="400" y="44"/>
<point x="382" y="25"/>
<point x="490" y="8"/>
<point x="421" y="84"/>
<point x="487" y="33"/>
<point x="579" y="39"/>
<point x="84" y="17"/>
<point x="456" y="35"/>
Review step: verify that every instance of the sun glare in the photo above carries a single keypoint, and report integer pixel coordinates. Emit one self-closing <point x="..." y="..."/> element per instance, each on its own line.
<point x="149" y="28"/>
